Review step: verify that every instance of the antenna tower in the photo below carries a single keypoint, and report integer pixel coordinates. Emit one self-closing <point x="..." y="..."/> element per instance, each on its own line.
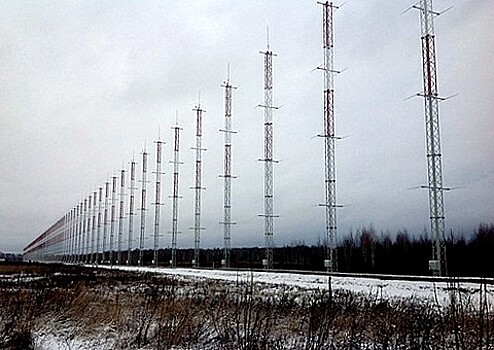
<point x="105" y="219"/>
<point x="80" y="231"/>
<point x="121" y="217"/>
<point x="113" y="215"/>
<point x="331" y="259"/>
<point x="433" y="140"/>
<point x="131" y="210"/>
<point x="143" y="205"/>
<point x="93" y="229"/>
<point x="268" y="156"/>
<point x="71" y="235"/>
<point x="98" y="233"/>
<point x="227" y="175"/>
<point x="198" y="185"/>
<point x="87" y="230"/>
<point x="157" y="204"/>
<point x="176" y="163"/>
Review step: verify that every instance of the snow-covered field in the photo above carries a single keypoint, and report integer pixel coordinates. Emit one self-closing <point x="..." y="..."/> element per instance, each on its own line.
<point x="72" y="335"/>
<point x="438" y="292"/>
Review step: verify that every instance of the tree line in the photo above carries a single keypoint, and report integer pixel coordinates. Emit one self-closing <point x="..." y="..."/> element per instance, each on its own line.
<point x="365" y="251"/>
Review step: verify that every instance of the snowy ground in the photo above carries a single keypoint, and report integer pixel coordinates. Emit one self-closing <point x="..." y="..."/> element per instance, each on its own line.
<point x="421" y="290"/>
<point x="272" y="284"/>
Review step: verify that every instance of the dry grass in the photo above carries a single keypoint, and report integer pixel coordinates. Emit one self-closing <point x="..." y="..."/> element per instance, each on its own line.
<point x="144" y="311"/>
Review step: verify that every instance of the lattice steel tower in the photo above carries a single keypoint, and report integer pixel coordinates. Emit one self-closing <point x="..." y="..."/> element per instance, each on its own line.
<point x="105" y="220"/>
<point x="88" y="230"/>
<point x="98" y="233"/>
<point x="121" y="217"/>
<point x="113" y="216"/>
<point x="227" y="175"/>
<point x="331" y="262"/>
<point x="433" y="140"/>
<point x="268" y="157"/>
<point x="198" y="185"/>
<point x="157" y="203"/>
<point x="132" y="189"/>
<point x="93" y="230"/>
<point x="176" y="163"/>
<point x="143" y="206"/>
<point x="80" y="231"/>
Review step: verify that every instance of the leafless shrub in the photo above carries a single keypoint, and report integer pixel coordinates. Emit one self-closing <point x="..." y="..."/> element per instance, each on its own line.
<point x="145" y="311"/>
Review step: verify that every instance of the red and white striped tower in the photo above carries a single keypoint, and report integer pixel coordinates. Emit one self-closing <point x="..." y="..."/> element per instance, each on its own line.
<point x="157" y="203"/>
<point x="132" y="189"/>
<point x="198" y="185"/>
<point x="176" y="164"/>
<point x="121" y="217"/>
<point x="227" y="175"/>
<point x="268" y="157"/>
<point x="433" y="139"/>
<point x="331" y="261"/>
<point x="143" y="205"/>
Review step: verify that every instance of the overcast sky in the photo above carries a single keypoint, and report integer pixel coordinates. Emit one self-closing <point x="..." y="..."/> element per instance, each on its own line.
<point x="85" y="84"/>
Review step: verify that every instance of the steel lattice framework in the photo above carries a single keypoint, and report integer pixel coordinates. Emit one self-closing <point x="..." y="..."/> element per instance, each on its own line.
<point x="331" y="262"/>
<point x="81" y="229"/>
<point x="143" y="206"/>
<point x="198" y="186"/>
<point x="98" y="232"/>
<point x="131" y="211"/>
<point x="88" y="230"/>
<point x="433" y="139"/>
<point x="105" y="219"/>
<point x="121" y="217"/>
<point x="113" y="216"/>
<point x="176" y="165"/>
<point x="93" y="229"/>
<point x="227" y="175"/>
<point x="268" y="157"/>
<point x="71" y="235"/>
<point x="157" y="203"/>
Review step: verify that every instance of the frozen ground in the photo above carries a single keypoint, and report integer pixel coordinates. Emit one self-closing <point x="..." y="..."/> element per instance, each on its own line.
<point x="68" y="336"/>
<point x="420" y="290"/>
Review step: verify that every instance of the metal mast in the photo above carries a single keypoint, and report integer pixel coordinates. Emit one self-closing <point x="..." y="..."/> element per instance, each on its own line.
<point x="105" y="219"/>
<point x="87" y="229"/>
<point x="176" y="163"/>
<point x="113" y="214"/>
<point x="121" y="217"/>
<point x="329" y="137"/>
<point x="66" y="227"/>
<point x="433" y="140"/>
<point x="93" y="229"/>
<point x="80" y="234"/>
<point x="131" y="211"/>
<point x="227" y="175"/>
<point x="98" y="233"/>
<point x="74" y="234"/>
<point x="157" y="204"/>
<point x="71" y="236"/>
<point x="143" y="206"/>
<point x="198" y="185"/>
<point x="268" y="157"/>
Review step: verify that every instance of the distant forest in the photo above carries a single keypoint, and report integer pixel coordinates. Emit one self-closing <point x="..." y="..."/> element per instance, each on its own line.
<point x="364" y="251"/>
